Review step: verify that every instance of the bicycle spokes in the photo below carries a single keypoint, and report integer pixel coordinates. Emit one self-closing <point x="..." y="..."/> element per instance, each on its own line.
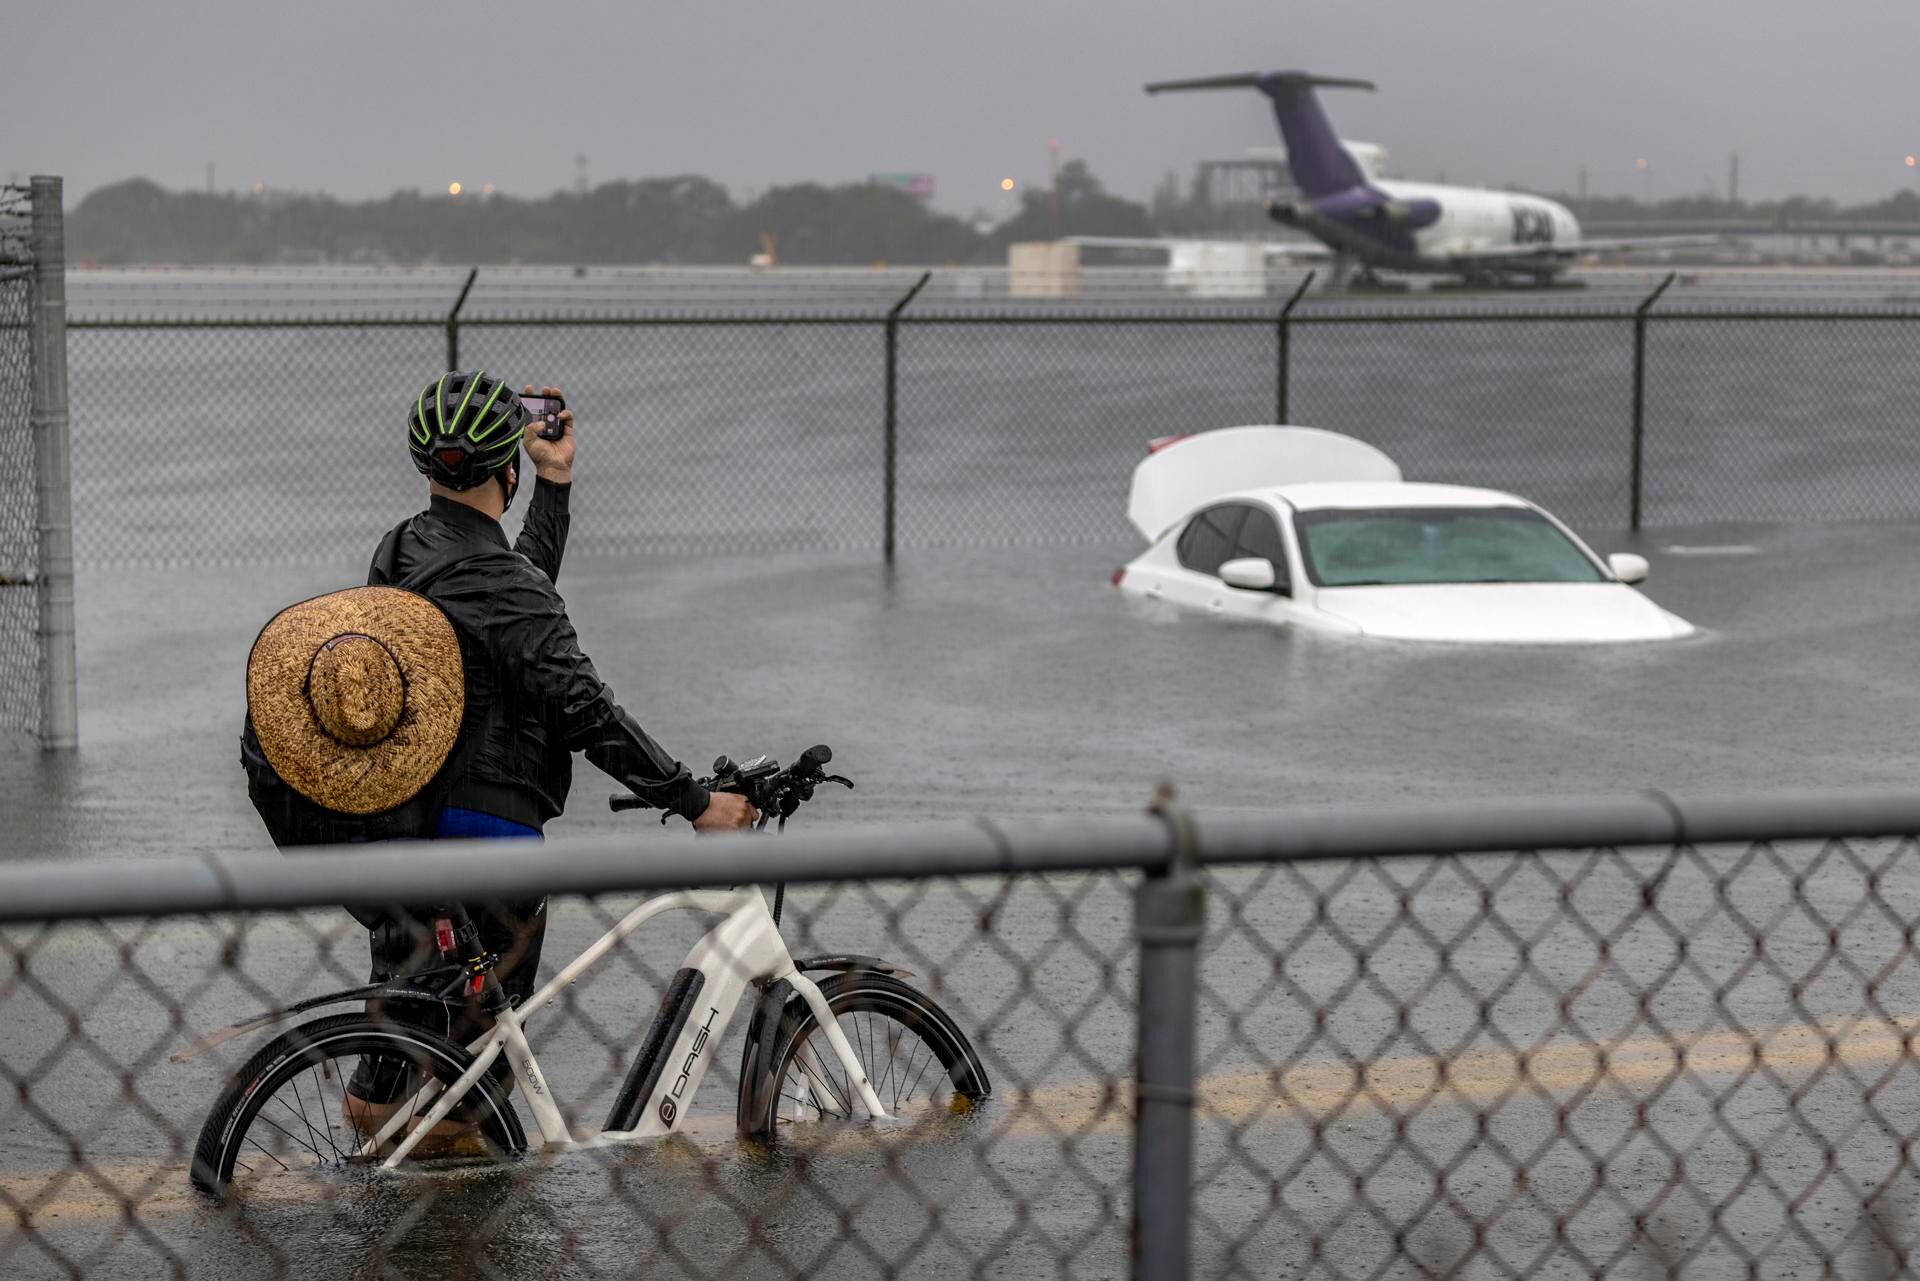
<point x="905" y="1072"/>
<point x="315" y="1121"/>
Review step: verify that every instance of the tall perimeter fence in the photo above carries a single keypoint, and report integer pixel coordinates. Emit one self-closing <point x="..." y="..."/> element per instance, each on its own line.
<point x="1636" y="1036"/>
<point x="37" y="690"/>
<point x="913" y="415"/>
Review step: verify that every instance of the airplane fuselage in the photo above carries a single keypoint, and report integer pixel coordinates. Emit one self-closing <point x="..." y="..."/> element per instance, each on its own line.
<point x="1474" y="220"/>
<point x="1431" y="228"/>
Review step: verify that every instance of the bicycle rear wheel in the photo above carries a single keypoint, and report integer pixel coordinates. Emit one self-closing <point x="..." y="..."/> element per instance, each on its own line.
<point x="284" y="1115"/>
<point x="920" y="1064"/>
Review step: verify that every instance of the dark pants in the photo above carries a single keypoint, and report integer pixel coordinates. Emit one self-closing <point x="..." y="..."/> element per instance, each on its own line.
<point x="514" y="931"/>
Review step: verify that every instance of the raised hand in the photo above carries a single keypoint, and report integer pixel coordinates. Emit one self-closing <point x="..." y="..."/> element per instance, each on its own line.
<point x="552" y="459"/>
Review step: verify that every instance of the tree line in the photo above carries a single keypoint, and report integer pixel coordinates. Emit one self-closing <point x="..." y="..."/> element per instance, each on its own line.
<point x="687" y="219"/>
<point x="1902" y="206"/>
<point x="695" y="220"/>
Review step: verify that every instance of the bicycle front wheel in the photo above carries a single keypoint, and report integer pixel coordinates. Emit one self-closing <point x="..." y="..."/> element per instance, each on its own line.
<point x="920" y="1064"/>
<point x="287" y="1113"/>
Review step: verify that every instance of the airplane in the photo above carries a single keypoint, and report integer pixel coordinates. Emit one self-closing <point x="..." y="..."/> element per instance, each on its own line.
<point x="1367" y="223"/>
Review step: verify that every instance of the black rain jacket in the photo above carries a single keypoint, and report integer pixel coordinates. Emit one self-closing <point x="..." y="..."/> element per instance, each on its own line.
<point x="533" y="697"/>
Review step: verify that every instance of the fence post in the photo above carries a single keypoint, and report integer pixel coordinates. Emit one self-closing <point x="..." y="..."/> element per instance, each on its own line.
<point x="1640" y="396"/>
<point x="893" y="409"/>
<point x="1285" y="369"/>
<point x="1169" y="912"/>
<point x="453" y="320"/>
<point x="52" y="469"/>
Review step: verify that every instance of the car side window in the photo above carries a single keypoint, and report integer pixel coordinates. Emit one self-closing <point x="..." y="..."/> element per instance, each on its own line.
<point x="1208" y="540"/>
<point x="1260" y="536"/>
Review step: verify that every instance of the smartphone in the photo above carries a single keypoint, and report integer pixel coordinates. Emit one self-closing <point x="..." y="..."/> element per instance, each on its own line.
<point x="546" y="411"/>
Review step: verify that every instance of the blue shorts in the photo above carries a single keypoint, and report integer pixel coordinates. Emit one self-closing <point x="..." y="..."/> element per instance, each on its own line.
<point x="458" y="824"/>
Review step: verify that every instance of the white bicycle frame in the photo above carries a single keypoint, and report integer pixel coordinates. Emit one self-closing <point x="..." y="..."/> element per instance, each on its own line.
<point x="744" y="947"/>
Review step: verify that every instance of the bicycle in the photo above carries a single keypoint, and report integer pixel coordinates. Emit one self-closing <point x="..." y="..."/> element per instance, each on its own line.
<point x="285" y="1109"/>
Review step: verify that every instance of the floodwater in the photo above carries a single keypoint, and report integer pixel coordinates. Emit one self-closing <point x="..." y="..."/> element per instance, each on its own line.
<point x="1012" y="680"/>
<point x="1020" y="683"/>
<point x="737" y="436"/>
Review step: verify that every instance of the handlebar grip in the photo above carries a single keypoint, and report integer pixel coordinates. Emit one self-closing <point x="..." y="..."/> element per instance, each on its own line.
<point x="625" y="801"/>
<point x="814" y="757"/>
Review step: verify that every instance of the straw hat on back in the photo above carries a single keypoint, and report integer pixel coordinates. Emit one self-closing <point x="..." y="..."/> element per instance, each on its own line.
<point x="357" y="696"/>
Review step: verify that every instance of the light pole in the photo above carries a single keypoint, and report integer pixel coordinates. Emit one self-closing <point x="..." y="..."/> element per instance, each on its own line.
<point x="1053" y="189"/>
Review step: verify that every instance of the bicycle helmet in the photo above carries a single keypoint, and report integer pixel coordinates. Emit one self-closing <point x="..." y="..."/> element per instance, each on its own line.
<point x="463" y="428"/>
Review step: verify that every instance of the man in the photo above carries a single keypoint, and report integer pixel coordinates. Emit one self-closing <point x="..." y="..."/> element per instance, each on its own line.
<point x="533" y="698"/>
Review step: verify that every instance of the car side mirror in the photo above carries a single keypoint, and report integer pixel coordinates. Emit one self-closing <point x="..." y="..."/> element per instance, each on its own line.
<point x="1250" y="573"/>
<point x="1629" y="568"/>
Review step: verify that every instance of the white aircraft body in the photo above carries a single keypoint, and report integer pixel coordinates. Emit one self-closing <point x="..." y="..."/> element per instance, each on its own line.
<point x="1365" y="222"/>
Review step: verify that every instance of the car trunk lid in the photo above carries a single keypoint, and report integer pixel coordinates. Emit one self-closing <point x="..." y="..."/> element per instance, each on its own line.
<point x="1183" y="473"/>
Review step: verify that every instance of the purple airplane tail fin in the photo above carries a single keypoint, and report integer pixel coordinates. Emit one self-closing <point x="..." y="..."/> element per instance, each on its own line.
<point x="1320" y="165"/>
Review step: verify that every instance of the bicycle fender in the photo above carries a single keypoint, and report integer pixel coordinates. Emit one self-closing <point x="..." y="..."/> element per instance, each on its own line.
<point x="768" y="1016"/>
<point x="254" y="1022"/>
<point x="754" y="1051"/>
<point x="850" y="961"/>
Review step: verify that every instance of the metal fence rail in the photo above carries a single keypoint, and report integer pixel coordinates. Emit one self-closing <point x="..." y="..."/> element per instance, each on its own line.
<point x="920" y="424"/>
<point x="1629" y="1036"/>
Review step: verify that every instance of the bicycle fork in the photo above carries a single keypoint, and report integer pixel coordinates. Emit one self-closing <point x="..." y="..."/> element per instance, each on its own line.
<point x="698" y="1006"/>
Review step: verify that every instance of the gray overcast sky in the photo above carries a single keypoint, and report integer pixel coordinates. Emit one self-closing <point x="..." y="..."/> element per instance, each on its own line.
<point x="359" y="98"/>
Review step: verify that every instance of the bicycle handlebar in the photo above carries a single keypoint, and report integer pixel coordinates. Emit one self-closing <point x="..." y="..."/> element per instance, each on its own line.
<point x="775" y="792"/>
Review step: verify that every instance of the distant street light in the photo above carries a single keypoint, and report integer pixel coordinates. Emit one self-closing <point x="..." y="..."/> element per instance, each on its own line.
<point x="487" y="190"/>
<point x="1912" y="161"/>
<point x="1006" y="184"/>
<point x="453" y="189"/>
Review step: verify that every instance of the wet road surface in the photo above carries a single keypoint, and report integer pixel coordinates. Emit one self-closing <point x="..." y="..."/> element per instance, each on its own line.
<point x="1020" y="683"/>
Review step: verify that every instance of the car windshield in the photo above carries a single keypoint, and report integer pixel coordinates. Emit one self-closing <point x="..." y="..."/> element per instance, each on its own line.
<point x="1408" y="545"/>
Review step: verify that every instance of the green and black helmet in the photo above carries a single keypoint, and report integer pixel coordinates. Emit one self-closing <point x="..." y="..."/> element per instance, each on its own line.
<point x="463" y="428"/>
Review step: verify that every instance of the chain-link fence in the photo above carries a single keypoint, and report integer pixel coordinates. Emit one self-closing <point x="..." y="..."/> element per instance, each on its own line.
<point x="38" y="692"/>
<point x="1753" y="417"/>
<point x="1654" y="1043"/>
<point x="810" y="430"/>
<point x="1599" y="1063"/>
<point x="19" y="527"/>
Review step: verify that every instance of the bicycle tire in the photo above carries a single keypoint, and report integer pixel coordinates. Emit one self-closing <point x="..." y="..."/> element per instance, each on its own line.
<point x="304" y="1049"/>
<point x="891" y="1002"/>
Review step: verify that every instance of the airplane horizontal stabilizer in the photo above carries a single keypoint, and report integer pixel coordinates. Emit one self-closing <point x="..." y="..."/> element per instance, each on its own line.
<point x="1261" y="80"/>
<point x="1320" y="165"/>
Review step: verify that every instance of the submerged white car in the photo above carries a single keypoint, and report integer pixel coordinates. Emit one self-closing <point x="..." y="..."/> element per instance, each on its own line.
<point x="1310" y="529"/>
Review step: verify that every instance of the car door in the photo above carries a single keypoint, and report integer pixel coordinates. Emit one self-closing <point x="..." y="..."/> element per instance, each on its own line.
<point x="1260" y="537"/>
<point x="1204" y="545"/>
<point x="1224" y="532"/>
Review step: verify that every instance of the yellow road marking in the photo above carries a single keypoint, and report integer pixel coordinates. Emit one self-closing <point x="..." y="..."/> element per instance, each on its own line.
<point x="1321" y="1088"/>
<point x="1558" y="1069"/>
<point x="55" y="1198"/>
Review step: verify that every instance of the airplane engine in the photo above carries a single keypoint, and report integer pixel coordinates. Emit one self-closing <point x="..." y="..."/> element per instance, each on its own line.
<point x="1285" y="211"/>
<point x="1405" y="213"/>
